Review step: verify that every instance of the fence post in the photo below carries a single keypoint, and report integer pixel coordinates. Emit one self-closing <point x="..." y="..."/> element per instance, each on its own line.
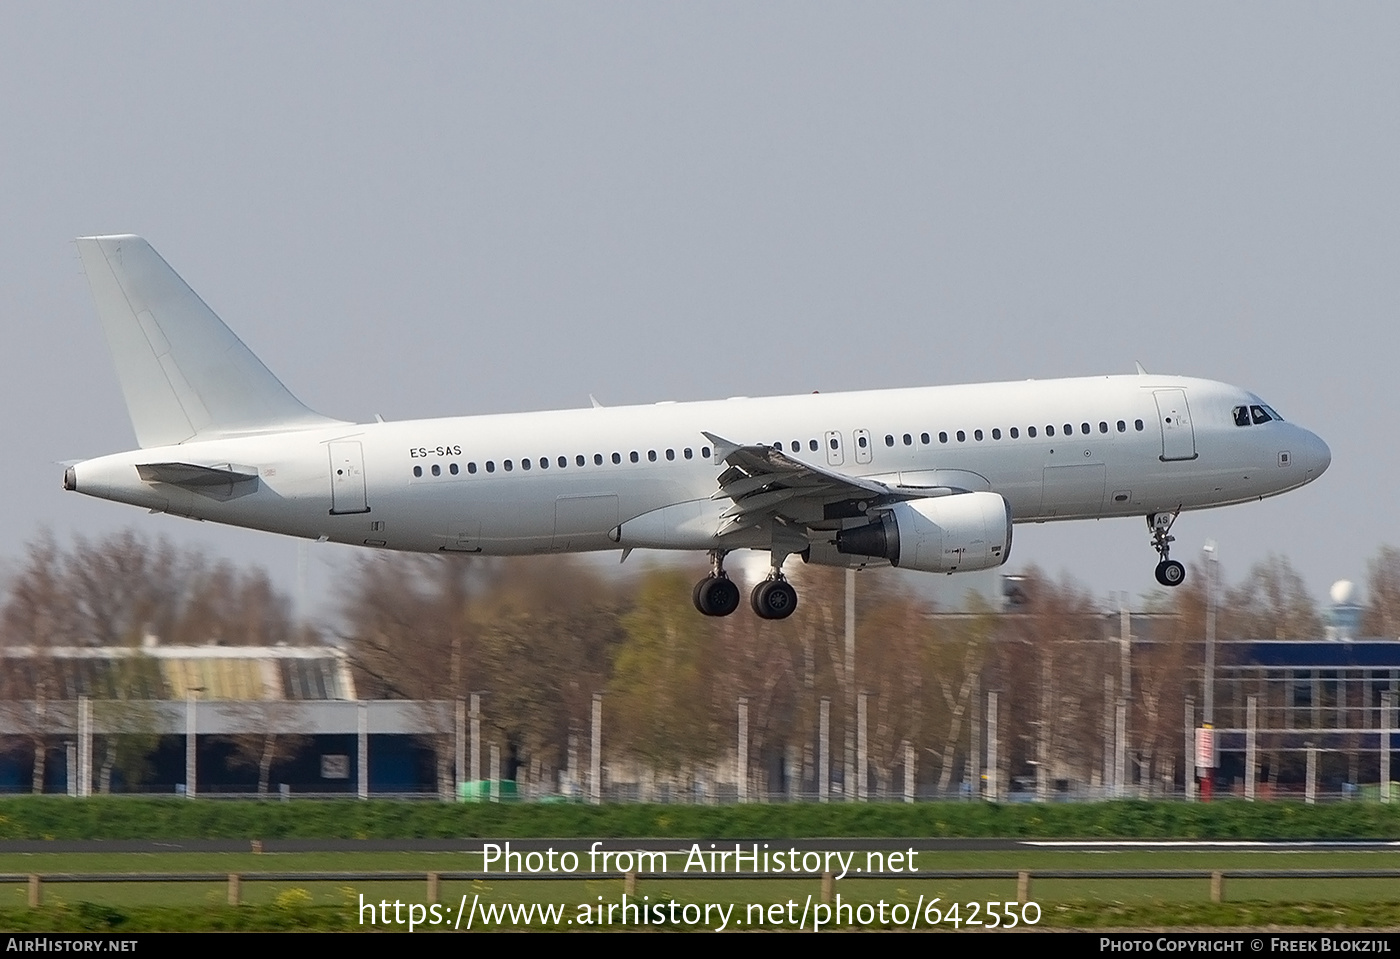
<point x="993" y="761"/>
<point x="362" y="748"/>
<point x="235" y="889"/>
<point x="1217" y="886"/>
<point x="910" y="780"/>
<point x="36" y="891"/>
<point x="741" y="751"/>
<point x="1250" y="747"/>
<point x="828" y="886"/>
<point x="862" y="755"/>
<point x="1023" y="886"/>
<point x="1188" y="759"/>
<point x="824" y="751"/>
<point x="432" y="888"/>
<point x="595" y="761"/>
<point x="1385" y="745"/>
<point x="1310" y="790"/>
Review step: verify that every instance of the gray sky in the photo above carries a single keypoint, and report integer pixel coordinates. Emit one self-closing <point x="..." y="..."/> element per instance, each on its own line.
<point x="439" y="209"/>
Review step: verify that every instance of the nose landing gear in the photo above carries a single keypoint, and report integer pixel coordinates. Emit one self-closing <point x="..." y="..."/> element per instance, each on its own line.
<point x="1169" y="571"/>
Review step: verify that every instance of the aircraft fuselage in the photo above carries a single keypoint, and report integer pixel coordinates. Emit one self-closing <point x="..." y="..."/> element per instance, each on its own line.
<point x="564" y="481"/>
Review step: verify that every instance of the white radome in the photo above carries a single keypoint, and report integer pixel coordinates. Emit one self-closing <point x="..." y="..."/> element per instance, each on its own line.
<point x="1343" y="592"/>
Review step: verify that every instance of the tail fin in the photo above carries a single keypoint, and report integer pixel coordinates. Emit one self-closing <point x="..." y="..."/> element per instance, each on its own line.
<point x="184" y="374"/>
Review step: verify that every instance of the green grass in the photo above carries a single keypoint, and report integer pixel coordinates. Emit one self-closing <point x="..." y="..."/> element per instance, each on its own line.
<point x="119" y="817"/>
<point x="1092" y="903"/>
<point x="1065" y="903"/>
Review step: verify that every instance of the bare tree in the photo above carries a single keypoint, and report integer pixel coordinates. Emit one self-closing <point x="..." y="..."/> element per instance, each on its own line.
<point x="1271" y="603"/>
<point x="273" y="743"/>
<point x="1383" y="594"/>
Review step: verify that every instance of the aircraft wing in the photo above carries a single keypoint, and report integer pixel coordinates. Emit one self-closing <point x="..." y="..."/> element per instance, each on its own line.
<point x="768" y="484"/>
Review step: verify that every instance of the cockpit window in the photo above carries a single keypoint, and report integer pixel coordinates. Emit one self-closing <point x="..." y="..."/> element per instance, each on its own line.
<point x="1254" y="414"/>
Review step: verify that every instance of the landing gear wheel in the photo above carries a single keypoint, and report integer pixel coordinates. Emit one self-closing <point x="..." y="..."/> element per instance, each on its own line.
<point x="774" y="599"/>
<point x="1170" y="573"/>
<point x="716" y="596"/>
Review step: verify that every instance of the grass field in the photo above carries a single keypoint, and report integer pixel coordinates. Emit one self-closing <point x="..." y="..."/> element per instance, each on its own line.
<point x="1064" y="903"/>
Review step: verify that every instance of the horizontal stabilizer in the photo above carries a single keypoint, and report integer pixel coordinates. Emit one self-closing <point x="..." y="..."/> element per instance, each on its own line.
<point x="187" y="474"/>
<point x="184" y="374"/>
<point x="220" y="483"/>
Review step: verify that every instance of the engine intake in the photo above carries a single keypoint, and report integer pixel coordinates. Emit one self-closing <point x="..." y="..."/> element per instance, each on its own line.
<point x="947" y="534"/>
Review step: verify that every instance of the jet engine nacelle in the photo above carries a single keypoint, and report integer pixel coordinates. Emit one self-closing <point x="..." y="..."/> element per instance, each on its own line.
<point x="947" y="534"/>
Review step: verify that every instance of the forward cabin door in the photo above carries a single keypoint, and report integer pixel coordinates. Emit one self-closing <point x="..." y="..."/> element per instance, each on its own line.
<point x="347" y="478"/>
<point x="1178" y="436"/>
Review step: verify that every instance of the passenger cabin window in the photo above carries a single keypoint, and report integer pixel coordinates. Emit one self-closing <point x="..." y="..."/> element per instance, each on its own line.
<point x="942" y="437"/>
<point x="687" y="453"/>
<point x="1137" y="425"/>
<point x="1103" y="427"/>
<point x="908" y="440"/>
<point x="453" y="469"/>
<point x="597" y="459"/>
<point x="1049" y="430"/>
<point x="634" y="457"/>
<point x="417" y="471"/>
<point x="889" y="440"/>
<point x="977" y="435"/>
<point x="1030" y="431"/>
<point x="1122" y="427"/>
<point x="524" y="464"/>
<point x="471" y="468"/>
<point x="923" y="438"/>
<point x="1015" y="433"/>
<point x="996" y="434"/>
<point x="813" y="445"/>
<point x="490" y="466"/>
<point x="962" y="437"/>
<point x="616" y="458"/>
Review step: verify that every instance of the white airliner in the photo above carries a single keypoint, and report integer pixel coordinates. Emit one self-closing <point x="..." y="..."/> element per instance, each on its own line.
<point x="927" y="479"/>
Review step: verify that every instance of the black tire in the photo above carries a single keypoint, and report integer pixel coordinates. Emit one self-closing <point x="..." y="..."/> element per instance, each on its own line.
<point x="1171" y="573"/>
<point x="716" y="596"/>
<point x="774" y="599"/>
<point x="697" y="596"/>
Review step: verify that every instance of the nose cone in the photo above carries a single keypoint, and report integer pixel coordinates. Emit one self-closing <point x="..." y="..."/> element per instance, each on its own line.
<point x="1315" y="455"/>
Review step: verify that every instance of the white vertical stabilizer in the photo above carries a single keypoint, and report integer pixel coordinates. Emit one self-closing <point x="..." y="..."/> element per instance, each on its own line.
<point x="183" y="372"/>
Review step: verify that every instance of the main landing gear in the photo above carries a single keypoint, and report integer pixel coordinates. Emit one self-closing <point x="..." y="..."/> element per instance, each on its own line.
<point x="774" y="598"/>
<point x="716" y="594"/>
<point x="1169" y="571"/>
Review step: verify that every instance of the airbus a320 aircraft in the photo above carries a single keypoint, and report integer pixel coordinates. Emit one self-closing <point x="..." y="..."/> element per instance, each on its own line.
<point x="927" y="479"/>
